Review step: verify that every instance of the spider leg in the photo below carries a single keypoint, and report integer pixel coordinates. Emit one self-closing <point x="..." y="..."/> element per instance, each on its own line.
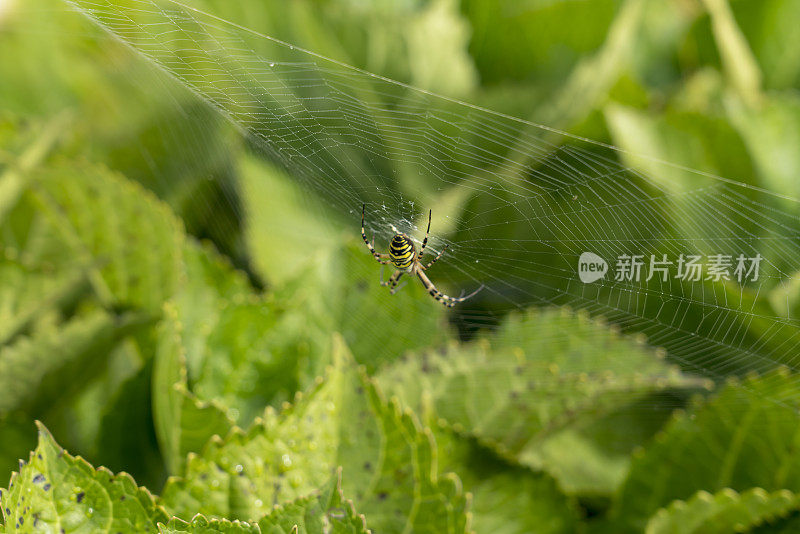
<point x="394" y="287"/>
<point x="452" y="302"/>
<point x="436" y="258"/>
<point x="398" y="288"/>
<point x="383" y="259"/>
<point x="438" y="295"/>
<point x="425" y="241"/>
<point x="392" y="281"/>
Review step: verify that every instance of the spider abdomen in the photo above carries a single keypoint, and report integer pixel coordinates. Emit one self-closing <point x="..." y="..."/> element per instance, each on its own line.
<point x="401" y="251"/>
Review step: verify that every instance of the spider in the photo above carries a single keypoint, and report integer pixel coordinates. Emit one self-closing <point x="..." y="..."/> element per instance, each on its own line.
<point x="403" y="255"/>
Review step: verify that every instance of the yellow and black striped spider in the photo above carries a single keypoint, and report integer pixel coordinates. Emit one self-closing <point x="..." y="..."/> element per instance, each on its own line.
<point x="402" y="254"/>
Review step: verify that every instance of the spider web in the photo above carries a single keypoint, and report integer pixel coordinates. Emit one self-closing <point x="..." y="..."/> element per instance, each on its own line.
<point x="530" y="199"/>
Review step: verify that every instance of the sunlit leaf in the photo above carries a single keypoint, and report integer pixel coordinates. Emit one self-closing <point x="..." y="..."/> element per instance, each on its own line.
<point x="325" y="510"/>
<point x="725" y="511"/>
<point x="537" y="385"/>
<point x="54" y="491"/>
<point x="130" y="241"/>
<point x="387" y="460"/>
<point x="201" y="525"/>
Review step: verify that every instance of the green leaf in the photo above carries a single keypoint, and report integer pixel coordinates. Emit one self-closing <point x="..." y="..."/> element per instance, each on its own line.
<point x="746" y="437"/>
<point x="506" y="498"/>
<point x="659" y="45"/>
<point x="200" y="421"/>
<point x="330" y="277"/>
<point x="250" y="360"/>
<point x="784" y="298"/>
<point x="528" y="386"/>
<point x="771" y="32"/>
<point x="740" y="66"/>
<point x="131" y="242"/>
<point x="434" y="39"/>
<point x="725" y="511"/>
<point x="591" y="457"/>
<point x="685" y="138"/>
<point x="324" y="511"/>
<point x="109" y="419"/>
<point x="125" y="436"/>
<point x="28" y="292"/>
<point x="246" y="354"/>
<point x="771" y="131"/>
<point x="16" y="173"/>
<point x="210" y="275"/>
<point x="515" y="40"/>
<point x="201" y="525"/>
<point x="225" y="352"/>
<point x="247" y="350"/>
<point x="378" y="326"/>
<point x="387" y="460"/>
<point x="211" y="285"/>
<point x="56" y="361"/>
<point x="183" y="422"/>
<point x="55" y="491"/>
<point x="282" y="234"/>
<point x="593" y="77"/>
<point x="243" y="352"/>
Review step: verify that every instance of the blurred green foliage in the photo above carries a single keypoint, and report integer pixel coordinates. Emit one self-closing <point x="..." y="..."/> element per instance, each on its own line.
<point x="168" y="287"/>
